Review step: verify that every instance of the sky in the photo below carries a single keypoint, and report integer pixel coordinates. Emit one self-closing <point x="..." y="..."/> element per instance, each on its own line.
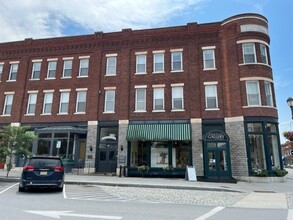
<point x="21" y="19"/>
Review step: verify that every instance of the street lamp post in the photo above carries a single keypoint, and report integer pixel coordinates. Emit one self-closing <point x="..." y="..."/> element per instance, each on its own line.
<point x="290" y="104"/>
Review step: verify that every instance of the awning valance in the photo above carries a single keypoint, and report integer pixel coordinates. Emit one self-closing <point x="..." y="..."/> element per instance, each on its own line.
<point x="155" y="132"/>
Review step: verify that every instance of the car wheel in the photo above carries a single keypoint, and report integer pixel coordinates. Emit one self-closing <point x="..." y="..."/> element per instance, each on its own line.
<point x="60" y="189"/>
<point x="21" y="189"/>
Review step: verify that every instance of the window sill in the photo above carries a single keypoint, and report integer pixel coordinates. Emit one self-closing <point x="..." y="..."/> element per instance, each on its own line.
<point x="140" y="73"/>
<point x="159" y="111"/>
<point x="177" y="110"/>
<point x="34" y="79"/>
<point x="5" y="115"/>
<point x="259" y="106"/>
<point x="82" y="76"/>
<point x="65" y="113"/>
<point x="79" y="113"/>
<point x="158" y="72"/>
<point x="177" y="71"/>
<point x="14" y="80"/>
<point x="212" y="109"/>
<point x="66" y="77"/>
<point x="52" y="78"/>
<point x="140" y="111"/>
<point x="208" y="69"/>
<point x="263" y="64"/>
<point x="30" y="115"/>
<point x="108" y="112"/>
<point x="46" y="114"/>
<point x="110" y="74"/>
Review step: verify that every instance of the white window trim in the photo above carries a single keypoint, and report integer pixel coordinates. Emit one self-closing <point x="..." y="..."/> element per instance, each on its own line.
<point x="145" y="63"/>
<point x="79" y="70"/>
<point x="52" y="59"/>
<point x="77" y="96"/>
<point x="158" y="110"/>
<point x="48" y="70"/>
<point x="63" y="91"/>
<point x="67" y="59"/>
<point x="33" y="70"/>
<point x="213" y="48"/>
<point x="105" y="102"/>
<point x="145" y="91"/>
<point x="107" y="60"/>
<point x="29" y="103"/>
<point x="259" y="95"/>
<point x="266" y="54"/>
<point x="177" y="85"/>
<point x="271" y="93"/>
<point x="254" y="53"/>
<point x="181" y="55"/>
<point x="216" y="94"/>
<point x="5" y="103"/>
<point x="47" y="92"/>
<point x="9" y="76"/>
<point x="154" y="54"/>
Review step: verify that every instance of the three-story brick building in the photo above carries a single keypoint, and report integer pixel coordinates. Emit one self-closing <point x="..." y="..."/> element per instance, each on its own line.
<point x="195" y="95"/>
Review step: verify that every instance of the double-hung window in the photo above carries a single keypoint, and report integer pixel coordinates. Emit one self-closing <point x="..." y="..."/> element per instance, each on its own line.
<point x="81" y="101"/>
<point x="13" y="71"/>
<point x="253" y="93"/>
<point x="141" y="63"/>
<point x="1" y="70"/>
<point x="176" y="60"/>
<point x="177" y="97"/>
<point x="83" y="67"/>
<point x="64" y="102"/>
<point x="31" y="104"/>
<point x="111" y="64"/>
<point x="52" y="65"/>
<point x="209" y="58"/>
<point x="158" y="61"/>
<point x="8" y="104"/>
<point x="67" y="68"/>
<point x="158" y="94"/>
<point x="263" y="54"/>
<point x="36" y="71"/>
<point x="140" y="99"/>
<point x="211" y="95"/>
<point x="249" y="55"/>
<point x="48" y="102"/>
<point x="268" y="92"/>
<point x="109" y="100"/>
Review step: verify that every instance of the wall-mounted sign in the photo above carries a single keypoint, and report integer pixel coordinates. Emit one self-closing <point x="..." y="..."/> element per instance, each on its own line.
<point x="216" y="135"/>
<point x="58" y="144"/>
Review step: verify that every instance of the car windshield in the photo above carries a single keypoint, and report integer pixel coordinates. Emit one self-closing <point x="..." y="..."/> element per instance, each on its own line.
<point x="44" y="163"/>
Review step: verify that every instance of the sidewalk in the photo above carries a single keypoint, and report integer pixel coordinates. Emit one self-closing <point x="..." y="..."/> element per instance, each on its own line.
<point x="174" y="183"/>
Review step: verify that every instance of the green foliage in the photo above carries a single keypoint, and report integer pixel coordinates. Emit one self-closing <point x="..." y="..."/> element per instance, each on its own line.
<point x="15" y="141"/>
<point x="143" y="168"/>
<point x="280" y="172"/>
<point x="168" y="168"/>
<point x="260" y="173"/>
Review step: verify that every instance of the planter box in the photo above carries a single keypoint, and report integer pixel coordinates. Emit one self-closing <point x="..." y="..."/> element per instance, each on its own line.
<point x="256" y="179"/>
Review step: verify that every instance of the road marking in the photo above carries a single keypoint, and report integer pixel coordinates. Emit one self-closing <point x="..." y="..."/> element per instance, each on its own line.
<point x="210" y="213"/>
<point x="64" y="193"/>
<point x="57" y="214"/>
<point x="8" y="188"/>
<point x="290" y="214"/>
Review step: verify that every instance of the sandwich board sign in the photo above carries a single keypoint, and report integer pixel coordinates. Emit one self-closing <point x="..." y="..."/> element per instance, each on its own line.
<point x="190" y="174"/>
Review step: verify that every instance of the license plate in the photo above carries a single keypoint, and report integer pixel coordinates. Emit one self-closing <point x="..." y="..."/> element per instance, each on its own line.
<point x="43" y="173"/>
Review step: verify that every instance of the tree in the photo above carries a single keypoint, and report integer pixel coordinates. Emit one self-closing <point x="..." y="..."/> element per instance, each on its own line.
<point x="15" y="141"/>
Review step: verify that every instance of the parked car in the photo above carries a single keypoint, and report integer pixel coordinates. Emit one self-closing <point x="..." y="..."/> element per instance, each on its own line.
<point x="42" y="172"/>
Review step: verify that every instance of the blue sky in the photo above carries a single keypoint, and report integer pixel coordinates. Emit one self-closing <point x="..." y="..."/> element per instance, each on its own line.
<point x="42" y="19"/>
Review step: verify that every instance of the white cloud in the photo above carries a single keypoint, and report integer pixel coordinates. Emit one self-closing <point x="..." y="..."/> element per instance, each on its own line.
<point x="37" y="19"/>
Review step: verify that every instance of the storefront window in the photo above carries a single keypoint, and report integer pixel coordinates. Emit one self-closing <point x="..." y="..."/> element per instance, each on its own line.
<point x="159" y="154"/>
<point x="257" y="153"/>
<point x="43" y="147"/>
<point x="180" y="154"/>
<point x="274" y="152"/>
<point x="109" y="134"/>
<point x="138" y="153"/>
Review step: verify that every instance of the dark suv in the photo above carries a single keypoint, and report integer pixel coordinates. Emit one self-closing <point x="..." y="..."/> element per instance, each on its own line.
<point x="42" y="172"/>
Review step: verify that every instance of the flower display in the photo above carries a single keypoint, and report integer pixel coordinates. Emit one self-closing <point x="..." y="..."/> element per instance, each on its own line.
<point x="288" y="135"/>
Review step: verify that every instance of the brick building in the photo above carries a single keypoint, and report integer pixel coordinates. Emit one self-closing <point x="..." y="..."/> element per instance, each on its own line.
<point x="197" y="95"/>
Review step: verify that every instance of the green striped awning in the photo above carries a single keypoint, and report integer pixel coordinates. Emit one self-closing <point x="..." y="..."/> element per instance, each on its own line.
<point x="159" y="132"/>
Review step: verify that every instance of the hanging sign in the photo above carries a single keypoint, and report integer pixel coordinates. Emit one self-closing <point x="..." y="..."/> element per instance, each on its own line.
<point x="58" y="144"/>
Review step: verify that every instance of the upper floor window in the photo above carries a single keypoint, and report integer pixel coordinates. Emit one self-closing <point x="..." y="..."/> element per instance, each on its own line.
<point x="36" y="70"/>
<point x="158" y="62"/>
<point x="249" y="55"/>
<point x="177" y="98"/>
<point x="81" y="102"/>
<point x="140" y="99"/>
<point x="13" y="71"/>
<point x="8" y="104"/>
<point x="211" y="96"/>
<point x="111" y="64"/>
<point x="48" y="102"/>
<point x="83" y="67"/>
<point x="141" y="63"/>
<point x="158" y="99"/>
<point x="52" y="65"/>
<point x="263" y="54"/>
<point x="67" y="68"/>
<point x="209" y="58"/>
<point x="1" y="70"/>
<point x="253" y="93"/>
<point x="109" y="100"/>
<point x="176" y="60"/>
<point x="268" y="92"/>
<point x="64" y="102"/>
<point x="31" y="105"/>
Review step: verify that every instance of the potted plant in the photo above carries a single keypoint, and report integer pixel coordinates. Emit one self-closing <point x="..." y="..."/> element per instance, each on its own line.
<point x="143" y="169"/>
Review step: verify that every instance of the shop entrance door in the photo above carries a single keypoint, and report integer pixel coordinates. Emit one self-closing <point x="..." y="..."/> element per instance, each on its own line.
<point x="218" y="161"/>
<point x="217" y="156"/>
<point x="107" y="158"/>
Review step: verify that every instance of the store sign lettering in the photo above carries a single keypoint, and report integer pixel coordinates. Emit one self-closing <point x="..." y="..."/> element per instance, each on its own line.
<point x="215" y="136"/>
